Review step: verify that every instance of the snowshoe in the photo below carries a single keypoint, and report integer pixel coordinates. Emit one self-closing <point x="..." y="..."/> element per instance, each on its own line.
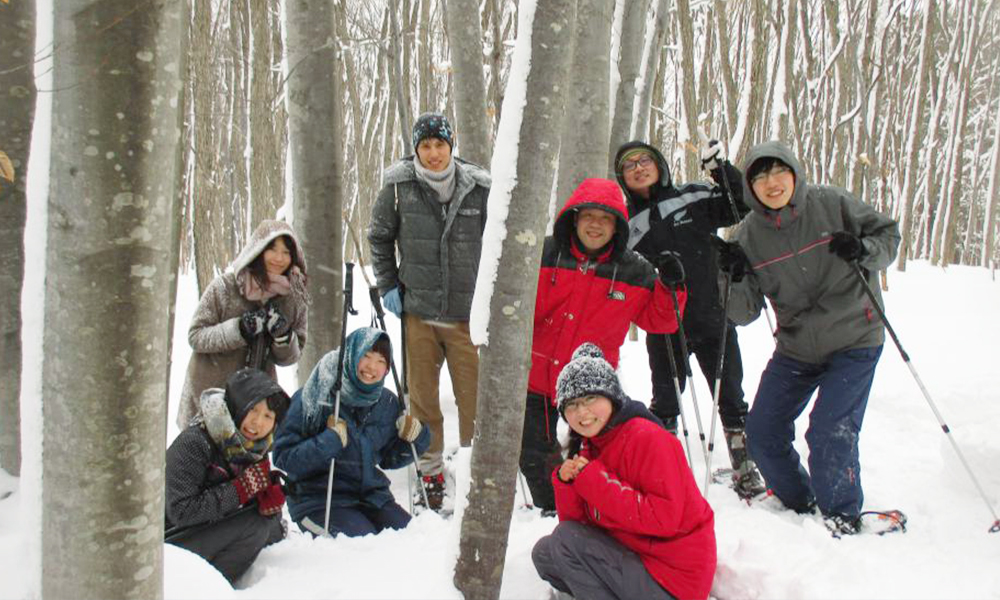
<point x="883" y="522"/>
<point x="870" y="521"/>
<point x="748" y="487"/>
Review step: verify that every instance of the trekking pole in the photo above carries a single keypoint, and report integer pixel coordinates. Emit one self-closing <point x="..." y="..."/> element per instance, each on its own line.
<point x="727" y="292"/>
<point x="677" y="393"/>
<point x="727" y="287"/>
<point x="682" y="338"/>
<point x="524" y="490"/>
<point x="380" y="315"/>
<point x="995" y="527"/>
<point x="338" y="378"/>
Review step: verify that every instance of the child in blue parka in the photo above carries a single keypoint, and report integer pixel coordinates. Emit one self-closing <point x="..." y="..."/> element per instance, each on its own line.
<point x="373" y="432"/>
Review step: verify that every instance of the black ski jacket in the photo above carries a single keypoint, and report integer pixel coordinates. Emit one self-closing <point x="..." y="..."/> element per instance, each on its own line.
<point x="678" y="220"/>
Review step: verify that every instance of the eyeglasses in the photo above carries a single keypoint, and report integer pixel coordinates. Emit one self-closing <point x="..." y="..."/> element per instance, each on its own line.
<point x="644" y="161"/>
<point x="574" y="405"/>
<point x="772" y="172"/>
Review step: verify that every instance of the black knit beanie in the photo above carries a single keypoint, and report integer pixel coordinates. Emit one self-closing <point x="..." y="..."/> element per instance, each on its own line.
<point x="588" y="373"/>
<point x="432" y="124"/>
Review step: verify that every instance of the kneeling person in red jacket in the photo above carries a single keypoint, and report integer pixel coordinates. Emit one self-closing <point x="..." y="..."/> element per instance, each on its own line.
<point x="590" y="287"/>
<point x="632" y="523"/>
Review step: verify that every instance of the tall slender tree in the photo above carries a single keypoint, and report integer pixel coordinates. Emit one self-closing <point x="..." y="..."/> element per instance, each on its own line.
<point x="17" y="115"/>
<point x="634" y="22"/>
<point x="504" y="360"/>
<point x="314" y="101"/>
<point x="465" y="38"/>
<point x="585" y="127"/>
<point x="114" y="143"/>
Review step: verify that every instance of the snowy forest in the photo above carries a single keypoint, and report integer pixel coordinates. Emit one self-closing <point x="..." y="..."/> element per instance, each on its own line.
<point x="158" y="134"/>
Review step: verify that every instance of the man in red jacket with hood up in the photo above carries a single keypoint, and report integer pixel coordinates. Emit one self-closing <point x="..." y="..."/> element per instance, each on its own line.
<point x="590" y="287"/>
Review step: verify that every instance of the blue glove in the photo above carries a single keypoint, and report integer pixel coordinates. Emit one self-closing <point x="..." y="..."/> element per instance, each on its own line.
<point x="393" y="302"/>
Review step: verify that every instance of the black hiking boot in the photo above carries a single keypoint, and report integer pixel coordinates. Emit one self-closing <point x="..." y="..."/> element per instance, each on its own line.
<point x="747" y="481"/>
<point x="841" y="525"/>
<point x="670" y="424"/>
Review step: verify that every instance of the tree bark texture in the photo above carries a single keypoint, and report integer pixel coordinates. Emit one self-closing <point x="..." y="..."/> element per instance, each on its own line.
<point x="629" y="61"/>
<point x="17" y="115"/>
<point x="314" y="101"/>
<point x="504" y="362"/>
<point x="465" y="38"/>
<point x="585" y="131"/>
<point x="914" y="131"/>
<point x="114" y="145"/>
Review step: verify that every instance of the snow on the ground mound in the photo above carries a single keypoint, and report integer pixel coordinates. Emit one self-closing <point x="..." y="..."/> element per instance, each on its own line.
<point x="948" y="323"/>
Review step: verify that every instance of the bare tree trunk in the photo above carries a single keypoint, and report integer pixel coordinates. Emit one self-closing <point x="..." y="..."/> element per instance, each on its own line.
<point x="504" y="361"/>
<point x="757" y="81"/>
<point x="914" y="133"/>
<point x="314" y="101"/>
<point x="17" y="115"/>
<point x="629" y="61"/>
<point x="115" y="134"/>
<point x="651" y="62"/>
<point x="990" y="216"/>
<point x="945" y="250"/>
<point x="399" y="81"/>
<point x="585" y="130"/>
<point x="689" y="101"/>
<point x="465" y="40"/>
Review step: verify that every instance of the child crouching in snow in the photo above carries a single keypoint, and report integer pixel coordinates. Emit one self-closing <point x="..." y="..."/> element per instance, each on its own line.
<point x="221" y="501"/>
<point x="632" y="523"/>
<point x="372" y="431"/>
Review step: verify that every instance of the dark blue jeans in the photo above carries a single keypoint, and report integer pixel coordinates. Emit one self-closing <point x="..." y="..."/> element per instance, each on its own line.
<point x="834" y="477"/>
<point x="354" y="521"/>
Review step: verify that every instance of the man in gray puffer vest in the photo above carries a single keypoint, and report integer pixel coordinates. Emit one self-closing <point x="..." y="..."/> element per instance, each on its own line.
<point x="800" y="248"/>
<point x="432" y="207"/>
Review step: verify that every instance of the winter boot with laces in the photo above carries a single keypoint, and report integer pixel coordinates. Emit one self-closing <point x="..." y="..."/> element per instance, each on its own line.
<point x="841" y="525"/>
<point x="746" y="479"/>
<point x="434" y="486"/>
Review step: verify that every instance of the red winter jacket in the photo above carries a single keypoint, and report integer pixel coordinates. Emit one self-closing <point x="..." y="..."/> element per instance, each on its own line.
<point x="582" y="299"/>
<point x="639" y="489"/>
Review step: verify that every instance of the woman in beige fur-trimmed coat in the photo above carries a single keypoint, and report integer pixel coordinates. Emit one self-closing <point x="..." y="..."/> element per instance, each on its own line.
<point x="253" y="315"/>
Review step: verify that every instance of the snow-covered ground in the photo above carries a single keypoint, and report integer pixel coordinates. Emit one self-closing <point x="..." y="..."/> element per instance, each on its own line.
<point x="949" y="324"/>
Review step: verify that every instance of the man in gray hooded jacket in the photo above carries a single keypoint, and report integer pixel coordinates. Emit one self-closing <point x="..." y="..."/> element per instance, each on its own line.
<point x="800" y="248"/>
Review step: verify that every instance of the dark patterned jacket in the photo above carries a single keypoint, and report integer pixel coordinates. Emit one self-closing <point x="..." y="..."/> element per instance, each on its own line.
<point x="678" y="220"/>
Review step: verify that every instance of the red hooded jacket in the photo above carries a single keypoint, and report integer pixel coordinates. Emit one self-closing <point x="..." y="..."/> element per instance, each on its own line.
<point x="582" y="299"/>
<point x="638" y="488"/>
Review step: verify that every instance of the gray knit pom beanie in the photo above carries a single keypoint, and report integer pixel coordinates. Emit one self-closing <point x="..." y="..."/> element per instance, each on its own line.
<point x="588" y="373"/>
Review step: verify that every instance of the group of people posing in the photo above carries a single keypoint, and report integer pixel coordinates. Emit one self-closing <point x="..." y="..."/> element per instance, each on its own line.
<point x="642" y="250"/>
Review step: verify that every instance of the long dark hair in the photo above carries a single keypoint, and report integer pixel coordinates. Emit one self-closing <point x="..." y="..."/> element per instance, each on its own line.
<point x="258" y="270"/>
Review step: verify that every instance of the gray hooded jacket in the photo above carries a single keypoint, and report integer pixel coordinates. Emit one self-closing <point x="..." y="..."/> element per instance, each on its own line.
<point x="218" y="348"/>
<point x="439" y="244"/>
<point x="819" y="303"/>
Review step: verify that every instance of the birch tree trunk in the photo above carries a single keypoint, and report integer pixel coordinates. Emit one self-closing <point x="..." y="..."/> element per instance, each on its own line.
<point x="914" y="133"/>
<point x="689" y="101"/>
<point x="17" y="115"/>
<point x="990" y="216"/>
<point x="629" y="61"/>
<point x="465" y="40"/>
<point x="650" y="64"/>
<point x="114" y="143"/>
<point x="504" y="361"/>
<point x="584" y="136"/>
<point x="314" y="101"/>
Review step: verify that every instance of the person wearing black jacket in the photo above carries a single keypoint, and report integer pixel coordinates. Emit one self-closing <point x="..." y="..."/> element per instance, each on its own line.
<point x="222" y="502"/>
<point x="667" y="220"/>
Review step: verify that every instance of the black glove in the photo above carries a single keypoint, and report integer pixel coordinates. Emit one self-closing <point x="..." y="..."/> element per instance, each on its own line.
<point x="671" y="270"/>
<point x="277" y="324"/>
<point x="252" y="324"/>
<point x="847" y="246"/>
<point x="733" y="260"/>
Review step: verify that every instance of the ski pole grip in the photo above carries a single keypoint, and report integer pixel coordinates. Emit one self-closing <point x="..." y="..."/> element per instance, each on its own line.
<point x="376" y="302"/>
<point x="349" y="287"/>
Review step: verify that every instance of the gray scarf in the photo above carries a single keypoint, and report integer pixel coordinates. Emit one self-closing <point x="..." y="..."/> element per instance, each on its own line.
<point x="442" y="182"/>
